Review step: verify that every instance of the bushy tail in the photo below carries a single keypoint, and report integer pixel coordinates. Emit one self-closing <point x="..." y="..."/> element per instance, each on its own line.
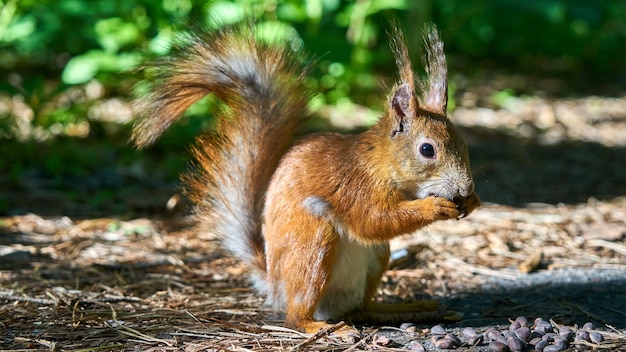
<point x="264" y="90"/>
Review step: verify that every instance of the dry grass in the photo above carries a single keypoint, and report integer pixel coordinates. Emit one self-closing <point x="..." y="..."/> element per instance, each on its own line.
<point x="150" y="285"/>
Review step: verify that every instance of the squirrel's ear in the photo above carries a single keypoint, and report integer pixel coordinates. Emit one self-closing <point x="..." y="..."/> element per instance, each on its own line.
<point x="436" y="87"/>
<point x="403" y="101"/>
<point x="403" y="107"/>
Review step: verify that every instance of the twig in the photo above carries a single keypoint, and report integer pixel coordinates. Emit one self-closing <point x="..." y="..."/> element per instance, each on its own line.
<point x="318" y="335"/>
<point x="196" y="319"/>
<point x="361" y="341"/>
<point x="48" y="344"/>
<point x="8" y="296"/>
<point x="116" y="298"/>
<point x="600" y="345"/>
<point x="102" y="348"/>
<point x="459" y="264"/>
<point x="54" y="300"/>
<point x="614" y="329"/>
<point x="125" y="330"/>
<point x="617" y="247"/>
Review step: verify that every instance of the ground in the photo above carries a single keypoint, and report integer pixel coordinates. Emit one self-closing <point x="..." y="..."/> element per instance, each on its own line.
<point x="128" y="271"/>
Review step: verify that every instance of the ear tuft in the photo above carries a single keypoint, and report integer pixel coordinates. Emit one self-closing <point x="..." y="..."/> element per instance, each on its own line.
<point x="436" y="86"/>
<point x="401" y="54"/>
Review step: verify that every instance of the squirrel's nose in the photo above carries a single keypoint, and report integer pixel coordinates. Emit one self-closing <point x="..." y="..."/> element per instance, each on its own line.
<point x="466" y="189"/>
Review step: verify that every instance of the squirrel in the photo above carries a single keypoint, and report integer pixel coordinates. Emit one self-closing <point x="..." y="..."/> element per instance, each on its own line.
<point x="311" y="217"/>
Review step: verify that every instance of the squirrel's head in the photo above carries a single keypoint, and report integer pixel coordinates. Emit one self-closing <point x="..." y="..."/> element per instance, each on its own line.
<point x="432" y="156"/>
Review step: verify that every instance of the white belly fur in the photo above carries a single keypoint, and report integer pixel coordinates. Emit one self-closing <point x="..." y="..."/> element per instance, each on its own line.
<point x="347" y="284"/>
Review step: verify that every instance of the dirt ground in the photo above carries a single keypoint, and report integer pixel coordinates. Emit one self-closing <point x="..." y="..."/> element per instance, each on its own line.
<point x="131" y="273"/>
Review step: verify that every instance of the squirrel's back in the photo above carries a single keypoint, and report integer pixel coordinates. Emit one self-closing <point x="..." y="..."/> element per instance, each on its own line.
<point x="263" y="88"/>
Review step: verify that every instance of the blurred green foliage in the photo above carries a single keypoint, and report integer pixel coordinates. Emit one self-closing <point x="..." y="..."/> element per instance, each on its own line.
<point x="48" y="47"/>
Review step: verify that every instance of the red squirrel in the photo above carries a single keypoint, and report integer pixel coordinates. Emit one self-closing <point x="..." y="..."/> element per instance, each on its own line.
<point x="312" y="218"/>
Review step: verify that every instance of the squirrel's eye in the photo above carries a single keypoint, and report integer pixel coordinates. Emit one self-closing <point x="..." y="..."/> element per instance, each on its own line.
<point x="427" y="150"/>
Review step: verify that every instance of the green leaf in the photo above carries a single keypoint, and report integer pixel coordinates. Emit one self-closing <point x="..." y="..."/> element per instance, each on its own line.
<point x="291" y="13"/>
<point x="17" y="29"/>
<point x="82" y="68"/>
<point x="223" y="13"/>
<point x="275" y="32"/>
<point x="162" y="42"/>
<point x="314" y="9"/>
<point x="501" y="98"/>
<point x="379" y="5"/>
<point x="114" y="33"/>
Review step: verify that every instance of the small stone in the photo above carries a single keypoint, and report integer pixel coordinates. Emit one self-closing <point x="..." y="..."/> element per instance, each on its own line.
<point x="469" y="332"/>
<point x="522" y="320"/>
<point x="408" y="327"/>
<point x="496" y="346"/>
<point x="539" y="346"/>
<point x="487" y="332"/>
<point x="436" y="338"/>
<point x="476" y="340"/>
<point x="588" y="326"/>
<point x="535" y="333"/>
<point x="552" y="348"/>
<point x="416" y="346"/>
<point x="502" y="339"/>
<point x="543" y="326"/>
<point x="508" y="333"/>
<point x="514" y="326"/>
<point x="561" y="342"/>
<point x="596" y="337"/>
<point x="444" y="344"/>
<point x="492" y="334"/>
<point x="515" y="344"/>
<point x="534" y="341"/>
<point x="523" y="333"/>
<point x="566" y="332"/>
<point x="455" y="340"/>
<point x="583" y="335"/>
<point x="437" y="330"/>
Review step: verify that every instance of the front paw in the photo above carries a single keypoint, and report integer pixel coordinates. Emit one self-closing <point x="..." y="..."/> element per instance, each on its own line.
<point x="466" y="205"/>
<point x="442" y="208"/>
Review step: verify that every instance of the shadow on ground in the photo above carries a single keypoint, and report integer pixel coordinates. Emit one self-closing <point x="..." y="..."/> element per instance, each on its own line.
<point x="568" y="296"/>
<point x="83" y="178"/>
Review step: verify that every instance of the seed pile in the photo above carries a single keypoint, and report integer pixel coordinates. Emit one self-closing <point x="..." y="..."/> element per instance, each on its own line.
<point x="539" y="336"/>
